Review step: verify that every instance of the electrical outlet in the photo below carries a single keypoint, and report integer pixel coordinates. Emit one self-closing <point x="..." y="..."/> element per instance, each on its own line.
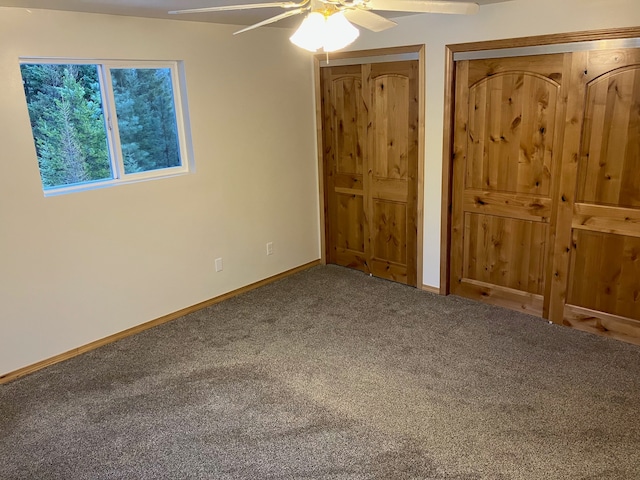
<point x="218" y="264"/>
<point x="270" y="248"/>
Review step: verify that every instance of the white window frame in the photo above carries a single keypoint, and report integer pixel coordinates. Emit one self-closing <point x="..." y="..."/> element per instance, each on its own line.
<point x="116" y="160"/>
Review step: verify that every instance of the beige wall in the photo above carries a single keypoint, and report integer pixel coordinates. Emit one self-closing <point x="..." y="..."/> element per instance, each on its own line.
<point x="503" y="20"/>
<point x="78" y="267"/>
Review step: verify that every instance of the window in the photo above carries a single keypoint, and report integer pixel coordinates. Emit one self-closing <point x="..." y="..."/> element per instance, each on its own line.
<point x="97" y="124"/>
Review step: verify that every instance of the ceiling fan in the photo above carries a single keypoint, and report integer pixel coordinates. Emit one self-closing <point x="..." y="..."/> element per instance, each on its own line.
<point x="330" y="18"/>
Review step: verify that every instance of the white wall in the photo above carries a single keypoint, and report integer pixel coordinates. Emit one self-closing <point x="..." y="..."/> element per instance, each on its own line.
<point x="518" y="18"/>
<point x="78" y="267"/>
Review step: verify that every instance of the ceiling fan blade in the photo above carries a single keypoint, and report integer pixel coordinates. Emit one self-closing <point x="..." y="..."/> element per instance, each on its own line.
<point x="424" y="6"/>
<point x="369" y="20"/>
<point x="282" y="16"/>
<point x="247" y="6"/>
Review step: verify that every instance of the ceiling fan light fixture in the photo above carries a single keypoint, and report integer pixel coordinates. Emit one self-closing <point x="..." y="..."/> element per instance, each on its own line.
<point x="310" y="34"/>
<point x="339" y="33"/>
<point x="330" y="33"/>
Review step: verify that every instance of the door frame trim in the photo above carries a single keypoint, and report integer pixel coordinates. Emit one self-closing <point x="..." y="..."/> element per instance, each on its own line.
<point x="358" y="54"/>
<point x="449" y="114"/>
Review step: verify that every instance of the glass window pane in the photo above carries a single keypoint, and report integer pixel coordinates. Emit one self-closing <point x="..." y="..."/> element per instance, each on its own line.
<point x="67" y="120"/>
<point x="146" y="118"/>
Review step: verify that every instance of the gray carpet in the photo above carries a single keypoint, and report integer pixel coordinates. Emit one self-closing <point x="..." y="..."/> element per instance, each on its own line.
<point x="331" y="374"/>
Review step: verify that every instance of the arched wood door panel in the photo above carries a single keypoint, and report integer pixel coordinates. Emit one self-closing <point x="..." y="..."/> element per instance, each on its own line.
<point x="508" y="130"/>
<point x="610" y="153"/>
<point x="510" y="136"/>
<point x="370" y="141"/>
<point x="603" y="281"/>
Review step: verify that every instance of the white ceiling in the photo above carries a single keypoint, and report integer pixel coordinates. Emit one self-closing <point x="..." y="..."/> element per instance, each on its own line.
<point x="159" y="9"/>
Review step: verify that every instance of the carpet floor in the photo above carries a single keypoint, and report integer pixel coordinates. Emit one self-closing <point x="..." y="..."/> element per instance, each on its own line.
<point x="331" y="374"/>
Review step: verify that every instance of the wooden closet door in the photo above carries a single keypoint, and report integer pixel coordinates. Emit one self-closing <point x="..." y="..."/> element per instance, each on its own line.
<point x="370" y="135"/>
<point x="506" y="164"/>
<point x="344" y="142"/>
<point x="597" y="264"/>
<point x="391" y="99"/>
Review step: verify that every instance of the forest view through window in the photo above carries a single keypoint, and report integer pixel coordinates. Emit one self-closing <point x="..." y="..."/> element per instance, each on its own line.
<point x="98" y="123"/>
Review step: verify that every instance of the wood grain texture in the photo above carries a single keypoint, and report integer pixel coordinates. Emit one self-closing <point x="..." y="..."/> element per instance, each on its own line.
<point x="458" y="166"/>
<point x="393" y="169"/>
<point x="450" y="149"/>
<point x="371" y="112"/>
<point x="566" y="195"/>
<point x="607" y="61"/>
<point x="591" y="208"/>
<point x="506" y="252"/>
<point x="328" y="163"/>
<point x="605" y="273"/>
<point x="389" y="270"/>
<point x="508" y="113"/>
<point x="344" y="117"/>
<point x="353" y="260"/>
<point x="420" y="160"/>
<point x="347" y="94"/>
<point x="511" y="132"/>
<point x="349" y="182"/>
<point x="389" y="234"/>
<point x="556" y="198"/>
<point x="320" y="161"/>
<point x="599" y="218"/>
<point x="359" y="192"/>
<point x="390" y="127"/>
<point x="547" y="67"/>
<point x="14" y="375"/>
<point x="501" y="296"/>
<point x="603" y="324"/>
<point x="524" y="207"/>
<point x="604" y="265"/>
<point x="414" y="196"/>
<point x="432" y="289"/>
<point x="447" y="172"/>
<point x="610" y="154"/>
<point x="551" y="39"/>
<point x="349" y="234"/>
<point x="367" y="98"/>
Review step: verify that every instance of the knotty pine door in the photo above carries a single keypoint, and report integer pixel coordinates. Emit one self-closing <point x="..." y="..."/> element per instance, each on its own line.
<point x="546" y="187"/>
<point x="370" y="145"/>
<point x="596" y="272"/>
<point x="508" y="135"/>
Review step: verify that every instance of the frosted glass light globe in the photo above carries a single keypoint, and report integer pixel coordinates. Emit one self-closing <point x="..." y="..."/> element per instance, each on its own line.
<point x="338" y="33"/>
<point x="311" y="33"/>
